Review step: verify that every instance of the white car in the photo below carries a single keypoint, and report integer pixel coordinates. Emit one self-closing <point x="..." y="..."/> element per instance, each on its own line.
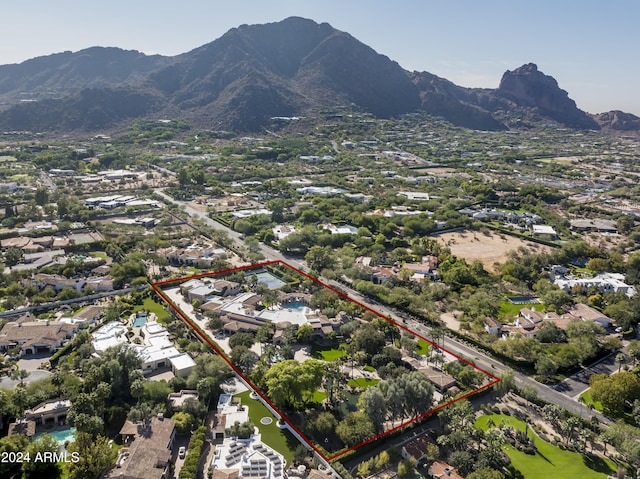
<point x="182" y="452"/>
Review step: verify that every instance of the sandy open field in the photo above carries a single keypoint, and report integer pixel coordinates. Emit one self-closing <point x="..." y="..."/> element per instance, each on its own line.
<point x="473" y="245"/>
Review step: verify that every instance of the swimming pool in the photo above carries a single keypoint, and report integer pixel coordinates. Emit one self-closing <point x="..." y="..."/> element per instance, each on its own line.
<point x="295" y="305"/>
<point x="60" y="436"/>
<point x="522" y="299"/>
<point x="140" y="321"/>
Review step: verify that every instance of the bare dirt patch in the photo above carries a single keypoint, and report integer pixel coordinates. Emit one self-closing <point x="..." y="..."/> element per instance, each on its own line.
<point x="488" y="248"/>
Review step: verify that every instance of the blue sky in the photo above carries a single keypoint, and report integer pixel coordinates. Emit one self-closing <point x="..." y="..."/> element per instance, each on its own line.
<point x="590" y="47"/>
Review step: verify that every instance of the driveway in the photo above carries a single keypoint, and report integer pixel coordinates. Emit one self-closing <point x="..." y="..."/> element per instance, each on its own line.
<point x="180" y="440"/>
<point x="31" y="364"/>
<point x="578" y="383"/>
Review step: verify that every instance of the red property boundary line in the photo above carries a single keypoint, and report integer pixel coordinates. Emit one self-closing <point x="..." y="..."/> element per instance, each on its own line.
<point x="158" y="289"/>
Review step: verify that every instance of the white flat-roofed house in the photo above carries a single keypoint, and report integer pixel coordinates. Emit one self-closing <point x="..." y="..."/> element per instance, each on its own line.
<point x="340" y="229"/>
<point x="415" y="195"/>
<point x="111" y="334"/>
<point x="604" y="282"/>
<point x="182" y="365"/>
<point x="544" y="230"/>
<point x="282" y="231"/>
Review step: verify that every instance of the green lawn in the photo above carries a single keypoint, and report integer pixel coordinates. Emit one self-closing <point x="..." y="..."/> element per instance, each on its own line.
<point x="423" y="347"/>
<point x="588" y="400"/>
<point x="328" y="354"/>
<point x="99" y="254"/>
<point x="19" y="177"/>
<point x="509" y="310"/>
<point x="319" y="396"/>
<point x="156" y="308"/>
<point x="362" y="382"/>
<point x="549" y="460"/>
<point x="279" y="439"/>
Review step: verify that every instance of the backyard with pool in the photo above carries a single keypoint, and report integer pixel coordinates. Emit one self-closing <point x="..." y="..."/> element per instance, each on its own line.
<point x="151" y="306"/>
<point x="60" y="436"/>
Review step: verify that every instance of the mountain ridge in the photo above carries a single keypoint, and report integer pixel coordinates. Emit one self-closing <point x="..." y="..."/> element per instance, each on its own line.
<point x="255" y="72"/>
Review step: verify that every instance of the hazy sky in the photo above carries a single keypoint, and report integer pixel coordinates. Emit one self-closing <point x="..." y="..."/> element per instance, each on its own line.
<point x="591" y="47"/>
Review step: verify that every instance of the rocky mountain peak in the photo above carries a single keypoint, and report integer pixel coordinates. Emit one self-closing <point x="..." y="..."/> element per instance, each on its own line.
<point x="529" y="87"/>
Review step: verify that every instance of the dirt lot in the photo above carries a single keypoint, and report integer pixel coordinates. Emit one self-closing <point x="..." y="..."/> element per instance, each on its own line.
<point x="490" y="249"/>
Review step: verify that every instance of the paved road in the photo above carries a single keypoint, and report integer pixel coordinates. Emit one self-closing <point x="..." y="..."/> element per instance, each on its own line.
<point x="479" y="358"/>
<point x="575" y="385"/>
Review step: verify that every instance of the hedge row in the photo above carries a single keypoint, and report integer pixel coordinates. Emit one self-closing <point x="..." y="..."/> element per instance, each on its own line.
<point x="190" y="467"/>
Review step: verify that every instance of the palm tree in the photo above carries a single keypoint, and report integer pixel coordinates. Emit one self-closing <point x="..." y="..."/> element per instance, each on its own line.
<point x="20" y="375"/>
<point x="620" y="358"/>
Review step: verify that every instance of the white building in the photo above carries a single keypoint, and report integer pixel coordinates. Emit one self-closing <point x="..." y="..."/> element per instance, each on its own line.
<point x="340" y="229"/>
<point x="244" y="457"/>
<point x="415" y="195"/>
<point x="282" y="231"/>
<point x="604" y="282"/>
<point x="156" y="352"/>
<point x="111" y="334"/>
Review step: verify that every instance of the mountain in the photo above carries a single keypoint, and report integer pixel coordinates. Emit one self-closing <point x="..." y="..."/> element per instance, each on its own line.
<point x="255" y="72"/>
<point x="618" y="120"/>
<point x="530" y="88"/>
<point x="66" y="73"/>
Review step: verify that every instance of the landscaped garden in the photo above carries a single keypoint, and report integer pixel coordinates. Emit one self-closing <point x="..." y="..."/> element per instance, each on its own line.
<point x="423" y="347"/>
<point x="279" y="439"/>
<point x="362" y="382"/>
<point x="327" y="397"/>
<point x="330" y="354"/>
<point x="156" y="308"/>
<point x="549" y="460"/>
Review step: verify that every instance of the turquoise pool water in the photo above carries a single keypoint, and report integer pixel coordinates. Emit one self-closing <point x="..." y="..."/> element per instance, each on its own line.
<point x="61" y="436"/>
<point x="295" y="305"/>
<point x="140" y="321"/>
<point x="522" y="299"/>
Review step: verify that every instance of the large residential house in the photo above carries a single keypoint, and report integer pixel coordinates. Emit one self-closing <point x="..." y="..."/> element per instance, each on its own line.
<point x="39" y="260"/>
<point x="242" y="313"/>
<point x="596" y="224"/>
<point x="33" y="336"/>
<point x="340" y="229"/>
<point x="192" y="255"/>
<point x="148" y="445"/>
<point x="529" y="321"/>
<point x="604" y="282"/>
<point x="236" y="457"/>
<point x="58" y="282"/>
<point x="204" y="289"/>
<point x="157" y="351"/>
<point x="583" y="312"/>
<point x="49" y="413"/>
<point x="427" y="268"/>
